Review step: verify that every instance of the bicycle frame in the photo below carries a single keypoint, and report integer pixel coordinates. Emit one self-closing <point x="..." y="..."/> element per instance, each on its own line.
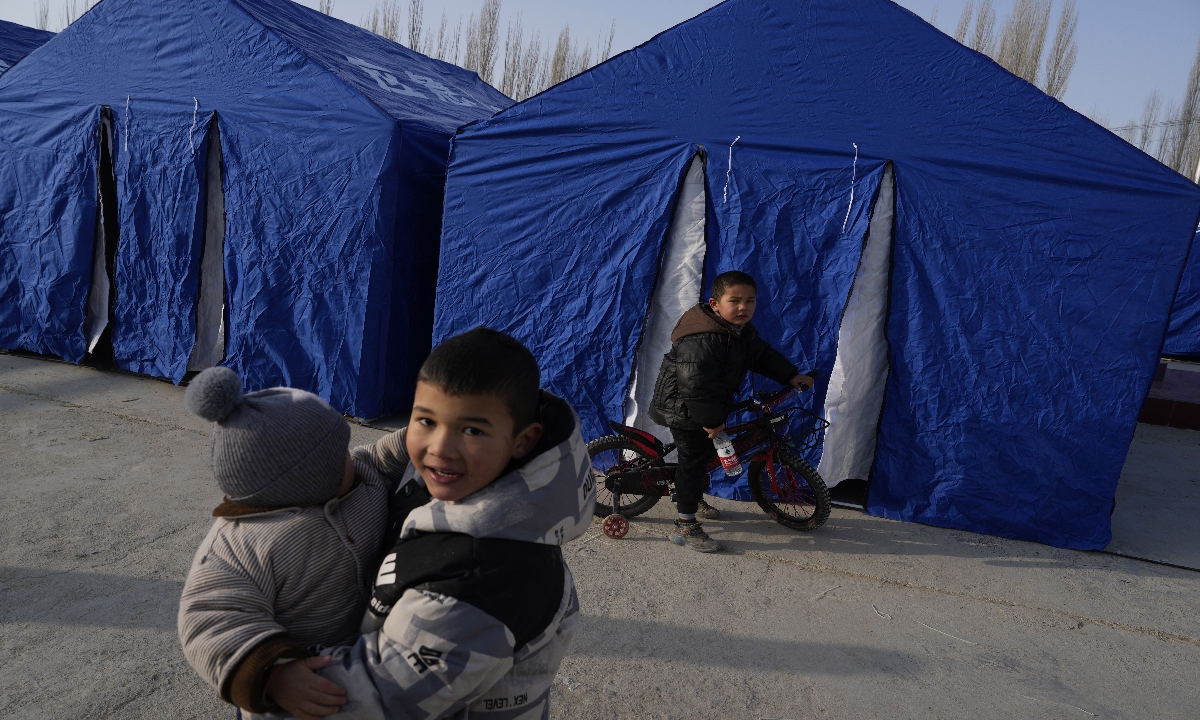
<point x="754" y="441"/>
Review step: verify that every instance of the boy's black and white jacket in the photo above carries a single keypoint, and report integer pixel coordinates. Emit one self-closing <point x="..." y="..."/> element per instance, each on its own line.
<point x="478" y="605"/>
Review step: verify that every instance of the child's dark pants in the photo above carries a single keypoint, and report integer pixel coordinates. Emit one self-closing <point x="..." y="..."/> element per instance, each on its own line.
<point x="696" y="450"/>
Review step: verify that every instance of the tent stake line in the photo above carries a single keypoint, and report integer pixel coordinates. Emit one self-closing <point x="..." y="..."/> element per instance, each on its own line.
<point x="1148" y="560"/>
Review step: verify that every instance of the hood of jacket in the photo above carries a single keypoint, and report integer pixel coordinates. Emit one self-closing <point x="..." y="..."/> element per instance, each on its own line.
<point x="547" y="498"/>
<point x="702" y="319"/>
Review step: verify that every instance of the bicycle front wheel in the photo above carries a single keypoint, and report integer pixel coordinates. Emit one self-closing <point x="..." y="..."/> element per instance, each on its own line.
<point x="789" y="490"/>
<point x="617" y="453"/>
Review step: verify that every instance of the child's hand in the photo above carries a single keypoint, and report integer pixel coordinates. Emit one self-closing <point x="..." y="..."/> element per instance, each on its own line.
<point x="296" y="688"/>
<point x="712" y="432"/>
<point x="802" y="382"/>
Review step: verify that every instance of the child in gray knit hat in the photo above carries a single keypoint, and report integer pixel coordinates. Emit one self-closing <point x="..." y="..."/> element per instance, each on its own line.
<point x="288" y="563"/>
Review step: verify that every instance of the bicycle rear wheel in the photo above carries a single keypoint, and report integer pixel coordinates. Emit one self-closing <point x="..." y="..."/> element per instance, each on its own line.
<point x="610" y="453"/>
<point x="789" y="490"/>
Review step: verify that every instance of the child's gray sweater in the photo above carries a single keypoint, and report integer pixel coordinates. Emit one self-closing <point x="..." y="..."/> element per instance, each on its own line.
<point x="270" y="584"/>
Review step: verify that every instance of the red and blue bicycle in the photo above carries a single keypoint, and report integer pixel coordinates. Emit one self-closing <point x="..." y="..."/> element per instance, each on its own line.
<point x="632" y="473"/>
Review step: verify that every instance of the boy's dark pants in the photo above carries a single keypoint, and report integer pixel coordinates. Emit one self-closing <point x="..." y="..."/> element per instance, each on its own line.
<point x="696" y="450"/>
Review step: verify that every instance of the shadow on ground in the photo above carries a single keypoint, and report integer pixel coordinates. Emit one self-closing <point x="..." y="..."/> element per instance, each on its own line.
<point x="87" y="598"/>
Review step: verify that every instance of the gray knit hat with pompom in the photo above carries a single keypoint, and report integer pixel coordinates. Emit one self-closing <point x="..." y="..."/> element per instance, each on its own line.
<point x="271" y="448"/>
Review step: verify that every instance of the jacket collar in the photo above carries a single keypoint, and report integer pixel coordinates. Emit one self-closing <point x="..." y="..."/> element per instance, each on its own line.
<point x="547" y="499"/>
<point x="231" y="509"/>
<point x="701" y="319"/>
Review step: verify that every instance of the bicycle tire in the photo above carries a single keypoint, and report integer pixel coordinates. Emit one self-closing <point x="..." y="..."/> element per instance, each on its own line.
<point x="805" y="505"/>
<point x="608" y="452"/>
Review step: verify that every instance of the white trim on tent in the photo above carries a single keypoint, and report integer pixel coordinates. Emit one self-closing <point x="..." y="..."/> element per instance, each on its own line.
<point x="856" y="385"/>
<point x="210" y="306"/>
<point x="95" y="317"/>
<point x="678" y="289"/>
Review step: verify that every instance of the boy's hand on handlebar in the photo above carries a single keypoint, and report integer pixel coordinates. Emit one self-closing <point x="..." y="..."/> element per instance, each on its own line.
<point x="712" y="432"/>
<point x="802" y="382"/>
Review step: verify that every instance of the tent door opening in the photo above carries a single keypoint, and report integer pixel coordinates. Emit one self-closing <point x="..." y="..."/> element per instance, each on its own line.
<point x="677" y="288"/>
<point x="209" y="349"/>
<point x="860" y="369"/>
<point x="102" y="296"/>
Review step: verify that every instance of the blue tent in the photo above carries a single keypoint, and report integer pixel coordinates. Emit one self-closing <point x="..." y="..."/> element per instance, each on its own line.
<point x="1183" y="333"/>
<point x="17" y="41"/>
<point x="982" y="275"/>
<point x="243" y="182"/>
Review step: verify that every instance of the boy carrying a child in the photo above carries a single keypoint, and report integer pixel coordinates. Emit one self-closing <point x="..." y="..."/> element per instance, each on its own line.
<point x="473" y="606"/>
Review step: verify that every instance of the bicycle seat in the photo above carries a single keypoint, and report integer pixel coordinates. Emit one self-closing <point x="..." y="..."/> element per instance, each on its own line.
<point x="646" y="442"/>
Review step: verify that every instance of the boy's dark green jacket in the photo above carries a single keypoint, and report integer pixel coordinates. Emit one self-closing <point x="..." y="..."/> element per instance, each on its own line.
<point x="706" y="366"/>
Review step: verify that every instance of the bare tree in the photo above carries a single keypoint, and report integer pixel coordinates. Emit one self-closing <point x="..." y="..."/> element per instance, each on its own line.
<point x="560" y="59"/>
<point x="535" y="69"/>
<point x="448" y="43"/>
<point x="384" y="20"/>
<point x="1061" y="60"/>
<point x="1098" y="117"/>
<point x="933" y="14"/>
<point x="964" y="22"/>
<point x="1022" y="41"/>
<point x="568" y="59"/>
<point x="514" y="50"/>
<point x="529" y="65"/>
<point x="1129" y="133"/>
<point x="42" y="14"/>
<point x="606" y="43"/>
<point x="483" y="38"/>
<point x="74" y="9"/>
<point x="1179" y="148"/>
<point x="984" y="39"/>
<point x="1023" y="38"/>
<point x="525" y="64"/>
<point x="1149" y="125"/>
<point x="416" y="23"/>
<point x="325" y="6"/>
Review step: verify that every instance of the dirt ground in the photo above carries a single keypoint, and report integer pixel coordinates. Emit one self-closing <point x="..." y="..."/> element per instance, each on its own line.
<point x="105" y="493"/>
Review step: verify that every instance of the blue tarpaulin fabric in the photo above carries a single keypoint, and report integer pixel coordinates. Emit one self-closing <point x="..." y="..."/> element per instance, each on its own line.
<point x="1036" y="254"/>
<point x="333" y="141"/>
<point x="1183" y="333"/>
<point x="17" y="41"/>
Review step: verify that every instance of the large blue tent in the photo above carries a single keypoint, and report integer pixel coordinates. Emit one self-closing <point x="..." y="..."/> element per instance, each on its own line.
<point x="243" y="182"/>
<point x="982" y="275"/>
<point x="17" y="41"/>
<point x="1183" y="333"/>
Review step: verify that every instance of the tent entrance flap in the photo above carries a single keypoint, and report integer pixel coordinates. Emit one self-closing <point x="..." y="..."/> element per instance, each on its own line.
<point x="678" y="288"/>
<point x="97" y="327"/>
<point x="209" y="349"/>
<point x="860" y="369"/>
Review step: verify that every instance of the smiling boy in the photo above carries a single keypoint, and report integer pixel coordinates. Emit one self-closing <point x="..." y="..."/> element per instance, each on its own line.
<point x="712" y="347"/>
<point x="474" y="607"/>
<point x="460" y="443"/>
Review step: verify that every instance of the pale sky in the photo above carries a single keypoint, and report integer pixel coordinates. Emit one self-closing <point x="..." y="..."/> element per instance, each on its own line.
<point x="1127" y="48"/>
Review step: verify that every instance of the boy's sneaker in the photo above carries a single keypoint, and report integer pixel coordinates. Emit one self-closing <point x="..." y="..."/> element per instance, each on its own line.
<point x="691" y="535"/>
<point x="706" y="511"/>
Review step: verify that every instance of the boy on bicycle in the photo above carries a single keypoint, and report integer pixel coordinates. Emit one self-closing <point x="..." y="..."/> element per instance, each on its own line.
<point x="712" y="347"/>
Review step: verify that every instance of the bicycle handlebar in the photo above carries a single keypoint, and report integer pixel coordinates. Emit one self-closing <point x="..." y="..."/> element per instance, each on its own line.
<point x="766" y="398"/>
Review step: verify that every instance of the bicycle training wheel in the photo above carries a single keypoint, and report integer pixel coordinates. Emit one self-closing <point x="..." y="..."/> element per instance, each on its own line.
<point x="797" y="498"/>
<point x="617" y="453"/>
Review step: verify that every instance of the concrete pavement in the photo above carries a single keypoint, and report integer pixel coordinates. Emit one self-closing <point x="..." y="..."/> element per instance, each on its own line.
<point x="105" y="494"/>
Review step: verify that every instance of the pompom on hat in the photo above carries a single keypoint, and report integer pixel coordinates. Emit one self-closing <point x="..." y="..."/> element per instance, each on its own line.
<point x="271" y="448"/>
